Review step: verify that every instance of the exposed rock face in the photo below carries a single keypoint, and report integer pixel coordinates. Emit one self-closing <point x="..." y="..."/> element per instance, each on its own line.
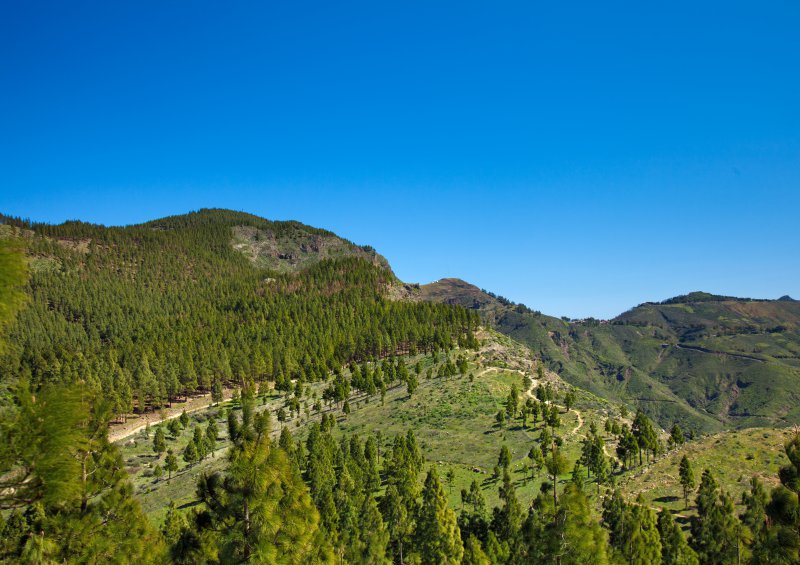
<point x="292" y="247"/>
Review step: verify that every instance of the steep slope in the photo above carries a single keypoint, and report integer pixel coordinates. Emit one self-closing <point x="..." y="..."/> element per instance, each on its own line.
<point x="701" y="360"/>
<point x="156" y="311"/>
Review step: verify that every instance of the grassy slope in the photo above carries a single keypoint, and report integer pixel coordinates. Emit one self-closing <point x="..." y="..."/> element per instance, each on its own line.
<point x="453" y="419"/>
<point x="734" y="457"/>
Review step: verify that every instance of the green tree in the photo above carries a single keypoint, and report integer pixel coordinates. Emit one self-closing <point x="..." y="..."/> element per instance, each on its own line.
<point x="473" y="553"/>
<point x="159" y="441"/>
<point x="57" y="464"/>
<point x="437" y="537"/>
<point x="411" y="385"/>
<point x="472" y="520"/>
<point x="190" y="453"/>
<point x="687" y="478"/>
<point x="536" y="460"/>
<point x="174" y="428"/>
<point x="715" y="529"/>
<point x="216" y="392"/>
<point x="259" y="509"/>
<point x="170" y="463"/>
<point x="644" y="541"/>
<point x="212" y="435"/>
<point x="450" y="477"/>
<point x="507" y="519"/>
<point x="676" y="435"/>
<point x="574" y="537"/>
<point x="398" y="521"/>
<point x="13" y="276"/>
<point x="512" y="402"/>
<point x="175" y="524"/>
<point x="674" y="548"/>
<point x="372" y="534"/>
<point x="556" y="465"/>
<point x="645" y="434"/>
<point x="780" y="543"/>
<point x="504" y="459"/>
<point x="569" y="399"/>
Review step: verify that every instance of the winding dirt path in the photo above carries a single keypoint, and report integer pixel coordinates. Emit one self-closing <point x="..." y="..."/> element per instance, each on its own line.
<point x="580" y="421"/>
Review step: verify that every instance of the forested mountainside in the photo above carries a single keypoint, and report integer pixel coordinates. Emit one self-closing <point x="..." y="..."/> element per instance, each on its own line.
<point x="705" y="361"/>
<point x="152" y="312"/>
<point x="107" y="323"/>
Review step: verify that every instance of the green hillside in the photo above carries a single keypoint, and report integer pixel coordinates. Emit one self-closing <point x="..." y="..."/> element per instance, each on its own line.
<point x="219" y="388"/>
<point x="150" y="313"/>
<point x="702" y="360"/>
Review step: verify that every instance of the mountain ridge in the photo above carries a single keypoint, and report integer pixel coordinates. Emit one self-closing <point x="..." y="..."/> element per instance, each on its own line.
<point x="703" y="360"/>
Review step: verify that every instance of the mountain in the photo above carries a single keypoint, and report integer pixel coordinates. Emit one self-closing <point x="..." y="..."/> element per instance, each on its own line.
<point x="153" y="291"/>
<point x="279" y="246"/>
<point x="156" y="311"/>
<point x="703" y="360"/>
<point x="275" y="394"/>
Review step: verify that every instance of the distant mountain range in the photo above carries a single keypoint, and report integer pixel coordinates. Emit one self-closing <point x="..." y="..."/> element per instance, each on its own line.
<point x="703" y="360"/>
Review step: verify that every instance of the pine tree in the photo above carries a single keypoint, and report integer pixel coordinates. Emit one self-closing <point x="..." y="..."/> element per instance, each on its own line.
<point x="506" y="520"/>
<point x="556" y="465"/>
<point x="569" y="399"/>
<point x="373" y="536"/>
<point x="174" y="428"/>
<point x="573" y="537"/>
<point x="159" y="441"/>
<point x="190" y="453"/>
<point x="644" y="542"/>
<point x="437" y="537"/>
<point x="399" y="523"/>
<point x="472" y="520"/>
<point x="512" y="401"/>
<point x="411" y="385"/>
<point x="71" y="481"/>
<point x="504" y="459"/>
<point x="674" y="548"/>
<point x="212" y="435"/>
<point x="260" y="510"/>
<point x="715" y="529"/>
<point x="754" y="518"/>
<point x="780" y="543"/>
<point x="676" y="435"/>
<point x="450" y="477"/>
<point x="473" y="553"/>
<point x="686" y="478"/>
<point x="170" y="463"/>
<point x="175" y="523"/>
<point x="536" y="460"/>
<point x="200" y="441"/>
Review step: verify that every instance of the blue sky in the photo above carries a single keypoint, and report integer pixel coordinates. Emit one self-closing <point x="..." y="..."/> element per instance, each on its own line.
<point x="578" y="157"/>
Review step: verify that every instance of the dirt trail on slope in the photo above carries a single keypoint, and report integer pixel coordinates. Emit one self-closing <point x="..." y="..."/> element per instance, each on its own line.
<point x="580" y="421"/>
<point x="118" y="432"/>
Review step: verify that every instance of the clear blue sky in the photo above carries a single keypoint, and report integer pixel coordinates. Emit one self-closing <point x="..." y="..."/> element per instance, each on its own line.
<point x="578" y="157"/>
